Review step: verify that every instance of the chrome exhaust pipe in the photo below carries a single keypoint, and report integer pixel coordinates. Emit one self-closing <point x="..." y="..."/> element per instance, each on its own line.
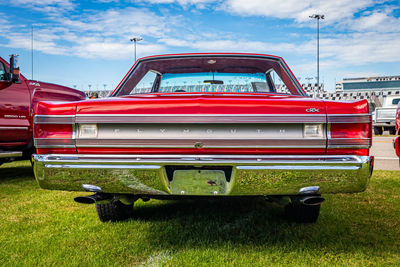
<point x="311" y="200"/>
<point x="98" y="197"/>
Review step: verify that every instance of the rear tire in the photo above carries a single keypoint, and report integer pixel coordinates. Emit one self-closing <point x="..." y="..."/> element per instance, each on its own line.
<point x="114" y="211"/>
<point x="392" y="131"/>
<point x="301" y="213"/>
<point x="378" y="131"/>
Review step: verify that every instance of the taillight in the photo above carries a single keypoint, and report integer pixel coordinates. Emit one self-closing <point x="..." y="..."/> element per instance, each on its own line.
<point x="54" y="127"/>
<point x="350" y="130"/>
<point x="54" y="131"/>
<point x="349" y="136"/>
<point x="52" y="137"/>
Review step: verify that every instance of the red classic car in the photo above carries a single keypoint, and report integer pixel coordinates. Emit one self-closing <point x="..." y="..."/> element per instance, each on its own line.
<point x="205" y="126"/>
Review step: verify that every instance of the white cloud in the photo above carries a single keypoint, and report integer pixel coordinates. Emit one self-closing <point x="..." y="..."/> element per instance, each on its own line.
<point x="112" y="50"/>
<point x="180" y="2"/>
<point x="24" y="41"/>
<point x="120" y="22"/>
<point x="298" y="10"/>
<point x="363" y="48"/>
<point x="101" y="35"/>
<point x="377" y="21"/>
<point x="107" y="1"/>
<point x="227" y="45"/>
<point x="47" y="6"/>
<point x="106" y="34"/>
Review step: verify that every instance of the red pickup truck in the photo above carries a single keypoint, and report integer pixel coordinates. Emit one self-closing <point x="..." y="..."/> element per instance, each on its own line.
<point x="18" y="99"/>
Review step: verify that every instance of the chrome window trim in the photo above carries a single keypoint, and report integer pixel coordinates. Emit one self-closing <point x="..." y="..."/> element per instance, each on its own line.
<point x="280" y="61"/>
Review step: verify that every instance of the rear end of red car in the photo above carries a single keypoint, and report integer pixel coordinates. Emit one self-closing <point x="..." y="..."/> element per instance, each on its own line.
<point x="204" y="146"/>
<point x="185" y="142"/>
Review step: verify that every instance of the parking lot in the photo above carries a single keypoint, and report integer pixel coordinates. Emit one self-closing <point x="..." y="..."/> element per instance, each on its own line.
<point x="385" y="156"/>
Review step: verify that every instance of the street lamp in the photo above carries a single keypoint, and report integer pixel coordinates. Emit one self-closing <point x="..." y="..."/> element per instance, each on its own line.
<point x="135" y="40"/>
<point x="317" y="17"/>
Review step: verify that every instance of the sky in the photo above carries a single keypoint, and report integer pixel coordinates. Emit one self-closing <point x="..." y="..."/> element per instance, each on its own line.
<point x="82" y="43"/>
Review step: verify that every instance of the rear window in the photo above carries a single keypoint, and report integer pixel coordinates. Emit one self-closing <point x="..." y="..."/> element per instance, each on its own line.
<point x="214" y="82"/>
<point x="395" y="101"/>
<point x="209" y="74"/>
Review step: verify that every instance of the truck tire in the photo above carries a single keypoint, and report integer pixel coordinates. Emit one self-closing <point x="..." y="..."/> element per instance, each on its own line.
<point x="301" y="213"/>
<point x="114" y="211"/>
<point x="378" y="130"/>
<point x="392" y="131"/>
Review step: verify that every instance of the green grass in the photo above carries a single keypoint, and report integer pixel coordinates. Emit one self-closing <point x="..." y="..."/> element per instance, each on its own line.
<point x="41" y="227"/>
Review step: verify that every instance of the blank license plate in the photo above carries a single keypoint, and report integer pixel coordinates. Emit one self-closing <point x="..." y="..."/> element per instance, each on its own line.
<point x="198" y="182"/>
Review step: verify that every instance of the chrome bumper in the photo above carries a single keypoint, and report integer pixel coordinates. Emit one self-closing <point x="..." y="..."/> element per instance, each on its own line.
<point x="250" y="174"/>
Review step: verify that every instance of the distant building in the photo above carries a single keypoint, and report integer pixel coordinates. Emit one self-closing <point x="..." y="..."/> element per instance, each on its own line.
<point x="384" y="84"/>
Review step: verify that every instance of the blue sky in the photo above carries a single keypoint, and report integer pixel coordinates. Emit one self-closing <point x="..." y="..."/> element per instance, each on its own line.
<point x="87" y="42"/>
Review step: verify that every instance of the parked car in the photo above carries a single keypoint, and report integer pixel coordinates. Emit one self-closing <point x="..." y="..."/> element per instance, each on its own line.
<point x="18" y="99"/>
<point x="398" y="119"/>
<point x="385" y="116"/>
<point x="396" y="140"/>
<point x="396" y="146"/>
<point x="207" y="126"/>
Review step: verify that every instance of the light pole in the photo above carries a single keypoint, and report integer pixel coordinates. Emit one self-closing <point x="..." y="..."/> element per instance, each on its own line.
<point x="317" y="17"/>
<point x="135" y="40"/>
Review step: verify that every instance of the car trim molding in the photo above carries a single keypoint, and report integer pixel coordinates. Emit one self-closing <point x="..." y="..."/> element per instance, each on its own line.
<point x="202" y="118"/>
<point x="205" y="143"/>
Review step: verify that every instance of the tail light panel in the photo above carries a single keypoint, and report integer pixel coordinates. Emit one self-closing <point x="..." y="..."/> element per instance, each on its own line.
<point x="55" y="133"/>
<point x="55" y="138"/>
<point x="349" y="138"/>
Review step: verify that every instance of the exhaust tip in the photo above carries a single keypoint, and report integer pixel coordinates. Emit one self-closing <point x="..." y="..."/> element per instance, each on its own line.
<point x="312" y="200"/>
<point x="85" y="200"/>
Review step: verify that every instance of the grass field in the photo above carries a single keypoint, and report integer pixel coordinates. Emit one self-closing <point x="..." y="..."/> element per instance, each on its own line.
<point x="40" y="227"/>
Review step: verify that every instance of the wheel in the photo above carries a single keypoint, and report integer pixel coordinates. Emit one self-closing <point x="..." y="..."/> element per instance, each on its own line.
<point x="301" y="213"/>
<point x="114" y="211"/>
<point x="392" y="131"/>
<point x="378" y="130"/>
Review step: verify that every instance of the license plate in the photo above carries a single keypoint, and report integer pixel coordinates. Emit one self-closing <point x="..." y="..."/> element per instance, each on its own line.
<point x="198" y="182"/>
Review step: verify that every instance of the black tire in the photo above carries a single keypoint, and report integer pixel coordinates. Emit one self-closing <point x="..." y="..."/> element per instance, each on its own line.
<point x="114" y="211"/>
<point x="301" y="213"/>
<point x="392" y="131"/>
<point x="378" y="131"/>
